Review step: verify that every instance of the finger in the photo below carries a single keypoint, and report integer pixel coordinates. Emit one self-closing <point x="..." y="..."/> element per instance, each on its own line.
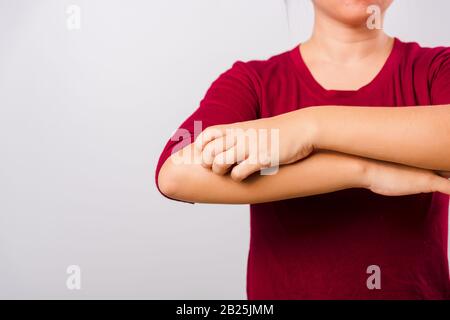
<point x="236" y="154"/>
<point x="208" y="135"/>
<point x="442" y="185"/>
<point x="225" y="160"/>
<point x="245" y="169"/>
<point x="215" y="147"/>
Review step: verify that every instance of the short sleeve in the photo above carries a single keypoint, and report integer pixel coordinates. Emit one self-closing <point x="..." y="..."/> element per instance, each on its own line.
<point x="231" y="98"/>
<point x="440" y="77"/>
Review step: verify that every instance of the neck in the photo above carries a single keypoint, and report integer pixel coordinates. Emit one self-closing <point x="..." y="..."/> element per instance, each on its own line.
<point x="339" y="42"/>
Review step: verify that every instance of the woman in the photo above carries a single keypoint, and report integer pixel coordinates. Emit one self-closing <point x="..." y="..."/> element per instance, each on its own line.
<point x="358" y="208"/>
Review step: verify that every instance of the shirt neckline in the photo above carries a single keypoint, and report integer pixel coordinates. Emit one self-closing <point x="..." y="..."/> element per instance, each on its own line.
<point x="314" y="84"/>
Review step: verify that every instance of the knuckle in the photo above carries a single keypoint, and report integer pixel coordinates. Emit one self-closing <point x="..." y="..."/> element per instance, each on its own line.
<point x="236" y="175"/>
<point x="207" y="157"/>
<point x="218" y="163"/>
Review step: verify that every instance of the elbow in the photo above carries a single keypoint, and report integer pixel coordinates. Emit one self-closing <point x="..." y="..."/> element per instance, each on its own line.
<point x="169" y="180"/>
<point x="178" y="179"/>
<point x="167" y="187"/>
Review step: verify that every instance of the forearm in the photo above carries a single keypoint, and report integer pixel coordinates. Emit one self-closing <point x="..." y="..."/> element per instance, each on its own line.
<point x="415" y="136"/>
<point x="322" y="172"/>
<point x="445" y="174"/>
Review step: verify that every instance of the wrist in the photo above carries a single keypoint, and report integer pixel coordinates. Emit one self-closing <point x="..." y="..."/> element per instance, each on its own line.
<point x="311" y="126"/>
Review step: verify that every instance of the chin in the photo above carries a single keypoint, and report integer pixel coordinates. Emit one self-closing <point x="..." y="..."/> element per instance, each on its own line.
<point x="352" y="12"/>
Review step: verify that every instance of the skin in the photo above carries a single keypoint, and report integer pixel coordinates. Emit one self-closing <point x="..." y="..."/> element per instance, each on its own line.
<point x="320" y="173"/>
<point x="376" y="133"/>
<point x="341" y="43"/>
<point x="340" y="148"/>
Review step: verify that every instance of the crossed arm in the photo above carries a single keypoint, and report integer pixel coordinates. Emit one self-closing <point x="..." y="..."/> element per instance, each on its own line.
<point x="391" y="151"/>
<point x="415" y="136"/>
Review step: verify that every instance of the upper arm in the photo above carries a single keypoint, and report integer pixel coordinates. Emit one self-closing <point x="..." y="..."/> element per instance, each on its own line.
<point x="439" y="78"/>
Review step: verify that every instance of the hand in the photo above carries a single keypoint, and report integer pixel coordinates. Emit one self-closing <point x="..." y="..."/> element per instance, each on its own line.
<point x="247" y="147"/>
<point x="391" y="179"/>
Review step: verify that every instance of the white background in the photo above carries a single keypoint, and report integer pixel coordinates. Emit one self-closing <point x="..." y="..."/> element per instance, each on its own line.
<point x="84" y="115"/>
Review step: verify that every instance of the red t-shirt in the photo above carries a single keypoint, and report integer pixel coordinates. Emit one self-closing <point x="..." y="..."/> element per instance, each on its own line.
<point x="320" y="247"/>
